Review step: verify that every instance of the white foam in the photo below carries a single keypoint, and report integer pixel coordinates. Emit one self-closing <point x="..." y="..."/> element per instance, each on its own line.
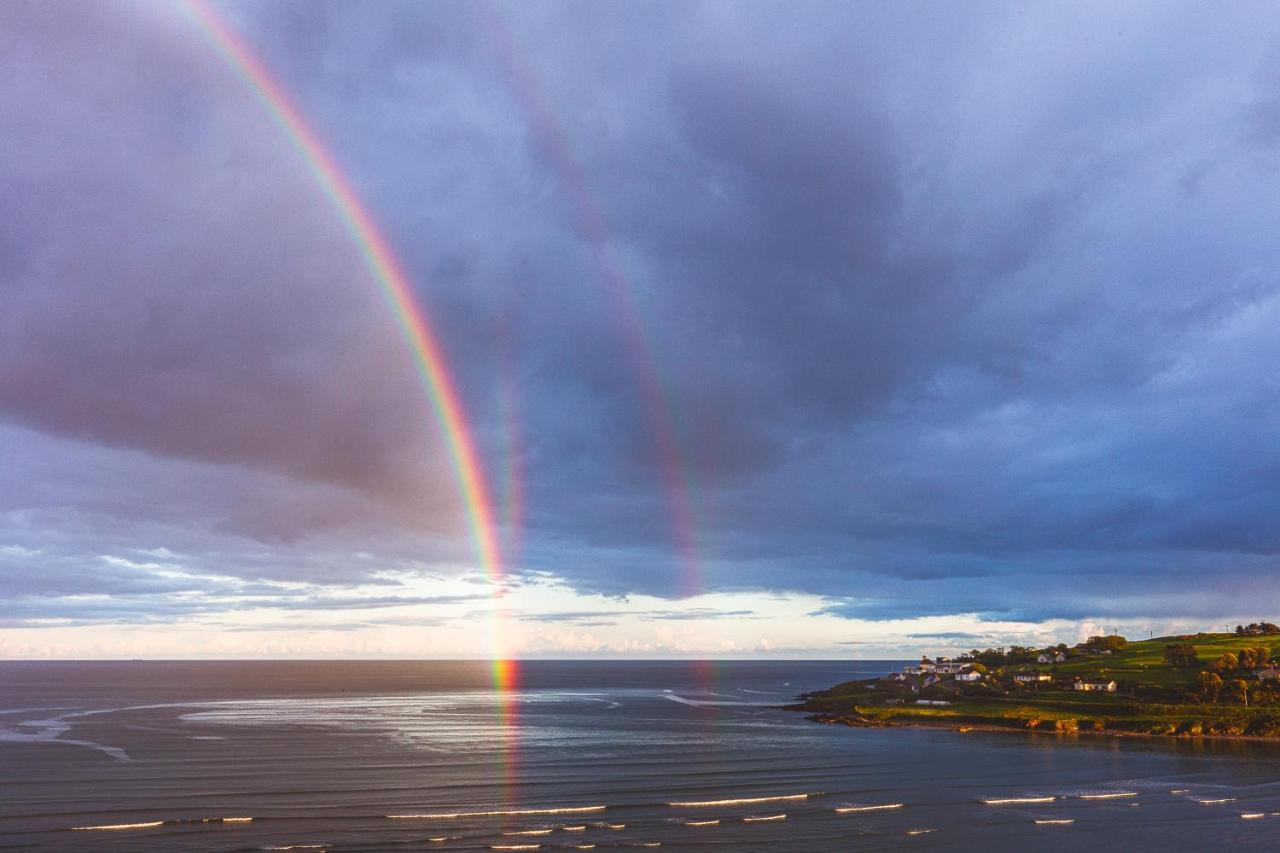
<point x="50" y="731"/>
<point x="738" y="801"/>
<point x="707" y="703"/>
<point x="712" y="822"/>
<point x="1109" y="795"/>
<point x="497" y="813"/>
<point x="1054" y="821"/>
<point x="112" y="827"/>
<point x="1252" y="815"/>
<point x="853" y="809"/>
<point x="920" y="831"/>
<point x="1216" y="802"/>
<point x="763" y="818"/>
<point x="1010" y="801"/>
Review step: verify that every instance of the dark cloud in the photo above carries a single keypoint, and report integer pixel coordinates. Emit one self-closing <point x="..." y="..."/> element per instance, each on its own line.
<point x="945" y="311"/>
<point x="191" y="297"/>
<point x="948" y="635"/>
<point x="603" y="617"/>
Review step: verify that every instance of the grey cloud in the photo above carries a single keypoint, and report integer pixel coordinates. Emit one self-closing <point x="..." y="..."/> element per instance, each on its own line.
<point x="948" y="635"/>
<point x="598" y="617"/>
<point x="948" y="309"/>
<point x="192" y="298"/>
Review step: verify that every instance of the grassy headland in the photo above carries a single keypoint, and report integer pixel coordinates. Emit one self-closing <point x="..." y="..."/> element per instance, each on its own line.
<point x="1202" y="685"/>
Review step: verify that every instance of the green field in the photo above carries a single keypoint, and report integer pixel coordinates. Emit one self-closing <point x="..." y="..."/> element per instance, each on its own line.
<point x="1143" y="661"/>
<point x="1153" y="697"/>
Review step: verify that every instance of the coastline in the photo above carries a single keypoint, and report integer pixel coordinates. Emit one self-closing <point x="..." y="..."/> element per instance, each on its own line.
<point x="1198" y="687"/>
<point x="858" y="721"/>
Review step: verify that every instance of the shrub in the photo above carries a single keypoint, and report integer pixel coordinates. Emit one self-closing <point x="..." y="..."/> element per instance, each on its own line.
<point x="1181" y="654"/>
<point x="1264" y="727"/>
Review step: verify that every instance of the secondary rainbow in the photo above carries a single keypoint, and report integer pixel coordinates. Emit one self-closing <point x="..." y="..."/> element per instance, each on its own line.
<point x="590" y="222"/>
<point x="392" y="281"/>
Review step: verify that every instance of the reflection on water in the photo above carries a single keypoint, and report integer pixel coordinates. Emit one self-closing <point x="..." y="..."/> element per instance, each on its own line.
<point x="383" y="756"/>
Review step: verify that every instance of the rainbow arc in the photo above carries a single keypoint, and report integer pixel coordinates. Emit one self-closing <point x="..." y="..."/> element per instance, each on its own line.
<point x="393" y="283"/>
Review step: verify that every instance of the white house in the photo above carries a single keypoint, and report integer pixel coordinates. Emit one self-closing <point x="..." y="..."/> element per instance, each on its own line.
<point x="1032" y="677"/>
<point x="1096" y="686"/>
<point x="950" y="668"/>
<point x="1046" y="657"/>
<point x="1268" y="674"/>
<point x="969" y="676"/>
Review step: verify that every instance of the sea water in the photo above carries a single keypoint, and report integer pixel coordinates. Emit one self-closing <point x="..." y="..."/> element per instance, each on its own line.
<point x="362" y="756"/>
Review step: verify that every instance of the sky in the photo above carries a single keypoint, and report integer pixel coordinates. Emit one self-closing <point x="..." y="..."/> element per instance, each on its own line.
<point x="782" y="329"/>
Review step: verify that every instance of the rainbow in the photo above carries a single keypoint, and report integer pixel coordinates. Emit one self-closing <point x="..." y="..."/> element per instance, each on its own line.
<point x="394" y="285"/>
<point x="591" y="225"/>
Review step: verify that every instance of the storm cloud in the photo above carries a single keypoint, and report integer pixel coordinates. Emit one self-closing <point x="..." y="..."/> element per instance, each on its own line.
<point x="943" y="310"/>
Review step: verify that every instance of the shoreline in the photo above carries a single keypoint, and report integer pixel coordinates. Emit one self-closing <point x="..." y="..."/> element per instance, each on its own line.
<point x="857" y="721"/>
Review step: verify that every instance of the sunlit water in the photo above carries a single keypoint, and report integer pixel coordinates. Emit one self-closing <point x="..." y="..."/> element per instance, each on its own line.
<point x="695" y="756"/>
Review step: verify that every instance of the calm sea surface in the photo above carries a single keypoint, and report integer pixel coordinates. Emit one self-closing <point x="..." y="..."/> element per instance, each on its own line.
<point x="426" y="755"/>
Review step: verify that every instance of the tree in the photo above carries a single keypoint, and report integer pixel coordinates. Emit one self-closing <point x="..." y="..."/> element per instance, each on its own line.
<point x="1240" y="690"/>
<point x="1181" y="654"/>
<point x="1226" y="663"/>
<point x="1109" y="643"/>
<point x="1020" y="654"/>
<point x="1210" y="686"/>
<point x="1254" y="658"/>
<point x="978" y="668"/>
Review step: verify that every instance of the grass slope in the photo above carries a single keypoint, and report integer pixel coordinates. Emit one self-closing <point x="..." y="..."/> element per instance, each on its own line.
<point x="1143" y="661"/>
<point x="1146" y="706"/>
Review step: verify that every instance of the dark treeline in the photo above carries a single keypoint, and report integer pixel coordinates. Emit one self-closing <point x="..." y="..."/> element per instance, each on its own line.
<point x="1014" y="655"/>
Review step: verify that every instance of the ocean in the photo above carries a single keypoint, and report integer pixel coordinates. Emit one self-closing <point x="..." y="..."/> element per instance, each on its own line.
<point x="398" y="755"/>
